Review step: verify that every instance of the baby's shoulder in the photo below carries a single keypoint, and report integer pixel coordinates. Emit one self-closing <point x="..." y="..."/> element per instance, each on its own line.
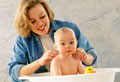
<point x="77" y="60"/>
<point x="56" y="59"/>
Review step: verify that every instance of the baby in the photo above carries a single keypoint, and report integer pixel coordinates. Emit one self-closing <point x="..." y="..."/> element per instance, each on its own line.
<point x="64" y="63"/>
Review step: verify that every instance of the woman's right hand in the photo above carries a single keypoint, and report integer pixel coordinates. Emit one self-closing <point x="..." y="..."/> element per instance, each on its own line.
<point x="48" y="56"/>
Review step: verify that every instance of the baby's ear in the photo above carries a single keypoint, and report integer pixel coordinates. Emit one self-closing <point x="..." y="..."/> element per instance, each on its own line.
<point x="55" y="46"/>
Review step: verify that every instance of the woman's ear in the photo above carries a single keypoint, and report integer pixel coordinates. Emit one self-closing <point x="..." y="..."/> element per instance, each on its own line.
<point x="77" y="42"/>
<point x="55" y="46"/>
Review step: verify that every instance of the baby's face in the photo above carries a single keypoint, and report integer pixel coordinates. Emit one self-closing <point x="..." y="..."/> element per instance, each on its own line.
<point x="66" y="43"/>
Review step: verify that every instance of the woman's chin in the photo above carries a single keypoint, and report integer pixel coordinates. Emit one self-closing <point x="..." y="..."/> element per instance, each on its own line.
<point x="42" y="33"/>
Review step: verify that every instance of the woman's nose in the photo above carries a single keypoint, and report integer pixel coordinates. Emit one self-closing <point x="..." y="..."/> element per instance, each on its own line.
<point x="39" y="23"/>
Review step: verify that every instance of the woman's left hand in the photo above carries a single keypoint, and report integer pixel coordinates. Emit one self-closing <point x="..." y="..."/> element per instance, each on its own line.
<point x="80" y="53"/>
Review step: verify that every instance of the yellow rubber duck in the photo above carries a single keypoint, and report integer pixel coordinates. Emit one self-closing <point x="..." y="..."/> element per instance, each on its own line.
<point x="89" y="69"/>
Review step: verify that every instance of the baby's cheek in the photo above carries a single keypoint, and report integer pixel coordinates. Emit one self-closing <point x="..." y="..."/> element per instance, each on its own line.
<point x="74" y="50"/>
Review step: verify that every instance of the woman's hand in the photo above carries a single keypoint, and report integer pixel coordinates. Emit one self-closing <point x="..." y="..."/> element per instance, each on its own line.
<point x="80" y="53"/>
<point x="83" y="56"/>
<point x="48" y="56"/>
<point x="32" y="67"/>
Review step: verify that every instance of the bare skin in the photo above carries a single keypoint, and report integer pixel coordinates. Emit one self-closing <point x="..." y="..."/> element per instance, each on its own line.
<point x="66" y="66"/>
<point x="65" y="63"/>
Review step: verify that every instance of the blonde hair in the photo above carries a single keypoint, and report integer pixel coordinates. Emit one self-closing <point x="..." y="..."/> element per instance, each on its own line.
<point x="22" y="23"/>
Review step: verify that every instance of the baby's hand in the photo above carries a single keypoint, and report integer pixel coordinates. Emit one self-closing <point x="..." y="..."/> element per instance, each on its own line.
<point x="80" y="53"/>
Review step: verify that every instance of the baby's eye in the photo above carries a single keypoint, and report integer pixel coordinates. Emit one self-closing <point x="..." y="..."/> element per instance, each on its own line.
<point x="63" y="43"/>
<point x="71" y="42"/>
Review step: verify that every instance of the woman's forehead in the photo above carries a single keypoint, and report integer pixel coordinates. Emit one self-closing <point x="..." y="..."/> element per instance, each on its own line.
<point x="36" y="10"/>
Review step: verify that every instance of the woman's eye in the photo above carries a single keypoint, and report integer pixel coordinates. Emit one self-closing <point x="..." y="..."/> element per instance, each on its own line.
<point x="42" y="16"/>
<point x="71" y="42"/>
<point x="32" y="22"/>
<point x="62" y="43"/>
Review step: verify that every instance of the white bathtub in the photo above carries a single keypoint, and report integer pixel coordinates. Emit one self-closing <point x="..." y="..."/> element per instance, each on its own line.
<point x="101" y="75"/>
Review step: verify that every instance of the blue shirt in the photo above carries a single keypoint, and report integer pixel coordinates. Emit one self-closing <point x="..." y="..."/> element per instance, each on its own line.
<point x="29" y="49"/>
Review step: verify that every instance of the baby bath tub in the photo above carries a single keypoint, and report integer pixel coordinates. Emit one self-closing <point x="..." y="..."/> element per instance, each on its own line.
<point x="101" y="75"/>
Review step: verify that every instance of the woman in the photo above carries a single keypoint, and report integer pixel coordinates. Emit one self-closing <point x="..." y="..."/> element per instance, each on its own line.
<point x="33" y="47"/>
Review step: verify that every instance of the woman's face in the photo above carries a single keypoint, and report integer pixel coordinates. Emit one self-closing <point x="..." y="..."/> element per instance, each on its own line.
<point x="39" y="19"/>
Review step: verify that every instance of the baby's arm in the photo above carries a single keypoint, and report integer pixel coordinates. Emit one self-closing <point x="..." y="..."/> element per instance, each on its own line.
<point x="81" y="68"/>
<point x="55" y="68"/>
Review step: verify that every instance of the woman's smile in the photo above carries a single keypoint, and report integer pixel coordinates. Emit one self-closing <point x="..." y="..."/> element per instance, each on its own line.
<point x="41" y="28"/>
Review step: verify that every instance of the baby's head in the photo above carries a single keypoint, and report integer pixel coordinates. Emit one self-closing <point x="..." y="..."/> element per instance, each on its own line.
<point x="65" y="41"/>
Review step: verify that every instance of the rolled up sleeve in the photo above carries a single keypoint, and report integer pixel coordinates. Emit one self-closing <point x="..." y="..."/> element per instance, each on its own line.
<point x="14" y="73"/>
<point x="85" y="44"/>
<point x="18" y="60"/>
<point x="94" y="54"/>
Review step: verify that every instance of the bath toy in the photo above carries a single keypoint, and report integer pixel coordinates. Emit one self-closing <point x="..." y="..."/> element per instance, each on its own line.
<point x="89" y="69"/>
